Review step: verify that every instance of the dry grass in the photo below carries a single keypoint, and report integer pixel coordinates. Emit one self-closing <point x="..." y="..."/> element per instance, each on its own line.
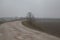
<point x="33" y="26"/>
<point x="45" y="27"/>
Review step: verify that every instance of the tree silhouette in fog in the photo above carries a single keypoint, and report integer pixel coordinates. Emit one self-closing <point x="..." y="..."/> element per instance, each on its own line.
<point x="30" y="17"/>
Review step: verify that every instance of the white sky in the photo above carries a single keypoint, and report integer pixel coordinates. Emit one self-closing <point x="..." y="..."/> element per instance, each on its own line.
<point x="40" y="8"/>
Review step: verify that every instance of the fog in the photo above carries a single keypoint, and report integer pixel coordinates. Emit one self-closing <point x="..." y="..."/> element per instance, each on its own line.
<point x="40" y="8"/>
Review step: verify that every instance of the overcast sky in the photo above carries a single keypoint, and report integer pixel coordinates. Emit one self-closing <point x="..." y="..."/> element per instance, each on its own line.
<point x="40" y="8"/>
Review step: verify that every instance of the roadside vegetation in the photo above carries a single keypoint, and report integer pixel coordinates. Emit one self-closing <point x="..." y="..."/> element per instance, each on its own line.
<point x="52" y="28"/>
<point x="31" y="22"/>
<point x="9" y="19"/>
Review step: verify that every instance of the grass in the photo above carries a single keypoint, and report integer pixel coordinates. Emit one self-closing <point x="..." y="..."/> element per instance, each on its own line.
<point x="1" y="22"/>
<point x="33" y="26"/>
<point x="4" y="21"/>
<point x="45" y="27"/>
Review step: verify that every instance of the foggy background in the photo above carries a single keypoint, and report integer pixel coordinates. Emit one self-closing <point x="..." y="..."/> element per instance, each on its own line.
<point x="40" y="8"/>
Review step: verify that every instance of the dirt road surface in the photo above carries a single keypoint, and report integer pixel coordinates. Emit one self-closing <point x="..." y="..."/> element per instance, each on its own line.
<point x="16" y="31"/>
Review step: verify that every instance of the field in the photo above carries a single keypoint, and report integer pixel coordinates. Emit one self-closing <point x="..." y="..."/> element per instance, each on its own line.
<point x="50" y="26"/>
<point x="9" y="19"/>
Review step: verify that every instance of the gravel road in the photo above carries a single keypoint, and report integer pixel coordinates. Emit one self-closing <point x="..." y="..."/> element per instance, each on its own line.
<point x="16" y="31"/>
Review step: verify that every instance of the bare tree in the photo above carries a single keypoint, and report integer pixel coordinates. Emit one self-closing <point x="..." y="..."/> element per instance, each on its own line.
<point x="30" y="17"/>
